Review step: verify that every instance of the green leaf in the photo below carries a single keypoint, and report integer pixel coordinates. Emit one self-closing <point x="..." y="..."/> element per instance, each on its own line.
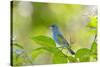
<point x="83" y="55"/>
<point x="94" y="48"/>
<point x="93" y="22"/>
<point x="17" y="59"/>
<point x="50" y="46"/>
<point x="36" y="52"/>
<point x="57" y="59"/>
<point x="94" y="51"/>
<point x="51" y="50"/>
<point x="18" y="45"/>
<point x="58" y="56"/>
<point x="72" y="59"/>
<point x="44" y="41"/>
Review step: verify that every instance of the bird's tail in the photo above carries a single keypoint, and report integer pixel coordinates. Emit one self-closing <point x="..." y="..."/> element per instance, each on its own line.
<point x="71" y="51"/>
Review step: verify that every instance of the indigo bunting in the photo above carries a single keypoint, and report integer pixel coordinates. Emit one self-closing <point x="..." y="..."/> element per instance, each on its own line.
<point x="59" y="39"/>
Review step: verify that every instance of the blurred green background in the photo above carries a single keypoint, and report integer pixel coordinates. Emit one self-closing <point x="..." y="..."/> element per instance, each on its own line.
<point x="34" y="18"/>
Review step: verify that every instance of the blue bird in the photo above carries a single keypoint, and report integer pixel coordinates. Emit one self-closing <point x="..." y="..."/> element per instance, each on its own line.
<point x="59" y="39"/>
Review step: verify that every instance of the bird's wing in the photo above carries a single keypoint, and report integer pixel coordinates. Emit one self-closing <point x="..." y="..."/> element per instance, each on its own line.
<point x="62" y="41"/>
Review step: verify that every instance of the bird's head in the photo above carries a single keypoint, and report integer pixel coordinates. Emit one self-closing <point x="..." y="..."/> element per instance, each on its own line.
<point x="53" y="27"/>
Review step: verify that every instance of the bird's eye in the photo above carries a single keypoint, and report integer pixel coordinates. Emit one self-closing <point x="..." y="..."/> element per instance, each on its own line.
<point x="52" y="26"/>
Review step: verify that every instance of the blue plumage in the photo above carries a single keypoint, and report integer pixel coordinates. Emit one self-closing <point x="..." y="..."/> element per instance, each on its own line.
<point x="59" y="39"/>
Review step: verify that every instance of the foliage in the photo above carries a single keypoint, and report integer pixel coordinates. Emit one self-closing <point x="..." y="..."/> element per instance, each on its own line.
<point x="44" y="41"/>
<point x="47" y="44"/>
<point x="92" y="25"/>
<point x="93" y="22"/>
<point x="83" y="55"/>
